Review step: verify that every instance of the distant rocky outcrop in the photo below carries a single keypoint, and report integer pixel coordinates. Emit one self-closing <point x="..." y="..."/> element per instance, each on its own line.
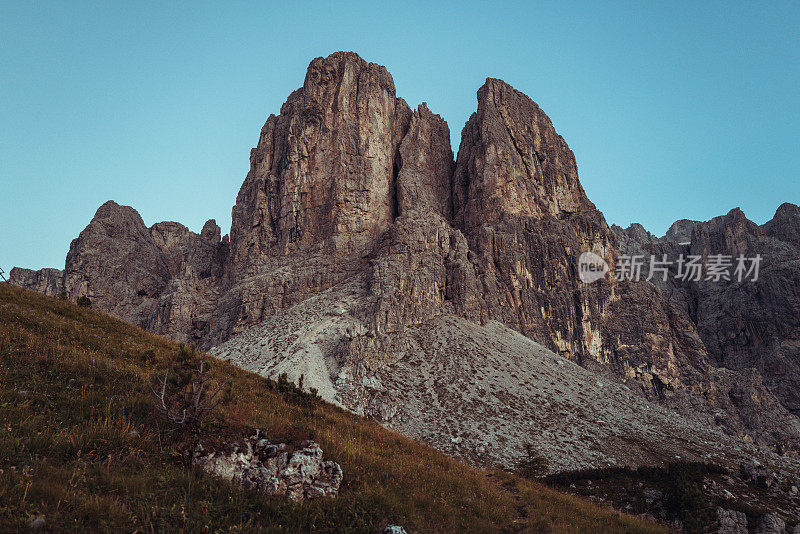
<point x="160" y="278"/>
<point x="747" y="326"/>
<point x="48" y="281"/>
<point x="353" y="196"/>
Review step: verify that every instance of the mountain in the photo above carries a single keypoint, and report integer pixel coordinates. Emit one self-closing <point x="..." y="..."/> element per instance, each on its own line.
<point x="443" y="296"/>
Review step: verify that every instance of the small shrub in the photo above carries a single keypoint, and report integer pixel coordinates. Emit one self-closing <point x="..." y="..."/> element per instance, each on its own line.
<point x="680" y="483"/>
<point x="84" y="302"/>
<point x="531" y="465"/>
<point x="294" y="394"/>
<point x="186" y="397"/>
<point x="692" y="506"/>
<point x="63" y="295"/>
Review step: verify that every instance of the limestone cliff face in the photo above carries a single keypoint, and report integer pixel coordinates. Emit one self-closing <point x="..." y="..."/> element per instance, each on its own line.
<point x="526" y="219"/>
<point x="424" y="180"/>
<point x="324" y="170"/>
<point x="322" y="188"/>
<point x="48" y="281"/>
<point x="152" y="277"/>
<point x="512" y="161"/>
<point x="350" y="188"/>
<point x="115" y="262"/>
<point x="785" y="225"/>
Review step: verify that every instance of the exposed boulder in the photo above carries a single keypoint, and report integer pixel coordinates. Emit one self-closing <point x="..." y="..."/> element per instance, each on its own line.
<point x="771" y="524"/>
<point x="37" y="522"/>
<point x="275" y="469"/>
<point x="731" y="522"/>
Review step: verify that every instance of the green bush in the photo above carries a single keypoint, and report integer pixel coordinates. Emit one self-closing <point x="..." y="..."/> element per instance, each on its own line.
<point x="186" y="394"/>
<point x="84" y="302"/>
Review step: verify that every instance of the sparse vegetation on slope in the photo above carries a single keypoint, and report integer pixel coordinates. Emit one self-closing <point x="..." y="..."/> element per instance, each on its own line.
<point x="81" y="444"/>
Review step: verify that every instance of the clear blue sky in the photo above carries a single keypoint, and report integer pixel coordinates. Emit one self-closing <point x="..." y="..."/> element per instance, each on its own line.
<point x="673" y="109"/>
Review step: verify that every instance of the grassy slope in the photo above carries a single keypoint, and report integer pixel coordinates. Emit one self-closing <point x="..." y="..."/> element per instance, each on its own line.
<point x="74" y="386"/>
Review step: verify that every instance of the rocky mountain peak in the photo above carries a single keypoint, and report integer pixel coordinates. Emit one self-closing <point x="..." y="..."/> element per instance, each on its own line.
<point x="424" y="179"/>
<point x="329" y="74"/>
<point x="211" y="231"/>
<point x="787" y="210"/>
<point x="512" y="160"/>
<point x="116" y="219"/>
<point x="785" y="225"/>
<point x="635" y="231"/>
<point x="732" y="232"/>
<point x="680" y="230"/>
<point x="324" y="170"/>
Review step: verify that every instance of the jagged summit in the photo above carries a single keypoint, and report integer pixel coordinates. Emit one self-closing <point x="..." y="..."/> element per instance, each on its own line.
<point x="324" y="169"/>
<point x="743" y="325"/>
<point x="511" y="160"/>
<point x="354" y="200"/>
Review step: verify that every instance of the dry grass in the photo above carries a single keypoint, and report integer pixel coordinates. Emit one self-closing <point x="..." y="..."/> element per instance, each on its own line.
<point x="80" y="444"/>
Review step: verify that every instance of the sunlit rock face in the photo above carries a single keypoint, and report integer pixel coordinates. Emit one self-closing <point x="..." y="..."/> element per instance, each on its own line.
<point x="512" y="161"/>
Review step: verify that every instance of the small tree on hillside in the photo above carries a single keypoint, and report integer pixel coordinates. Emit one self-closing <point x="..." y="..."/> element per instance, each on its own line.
<point x="187" y="397"/>
<point x="531" y="465"/>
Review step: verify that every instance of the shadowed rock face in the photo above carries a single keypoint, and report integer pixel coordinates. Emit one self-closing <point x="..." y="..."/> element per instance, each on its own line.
<point x="785" y="226"/>
<point x="424" y="180"/>
<point x="116" y="257"/>
<point x="48" y="281"/>
<point x="743" y="325"/>
<point x="349" y="189"/>
<point x="156" y="277"/>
